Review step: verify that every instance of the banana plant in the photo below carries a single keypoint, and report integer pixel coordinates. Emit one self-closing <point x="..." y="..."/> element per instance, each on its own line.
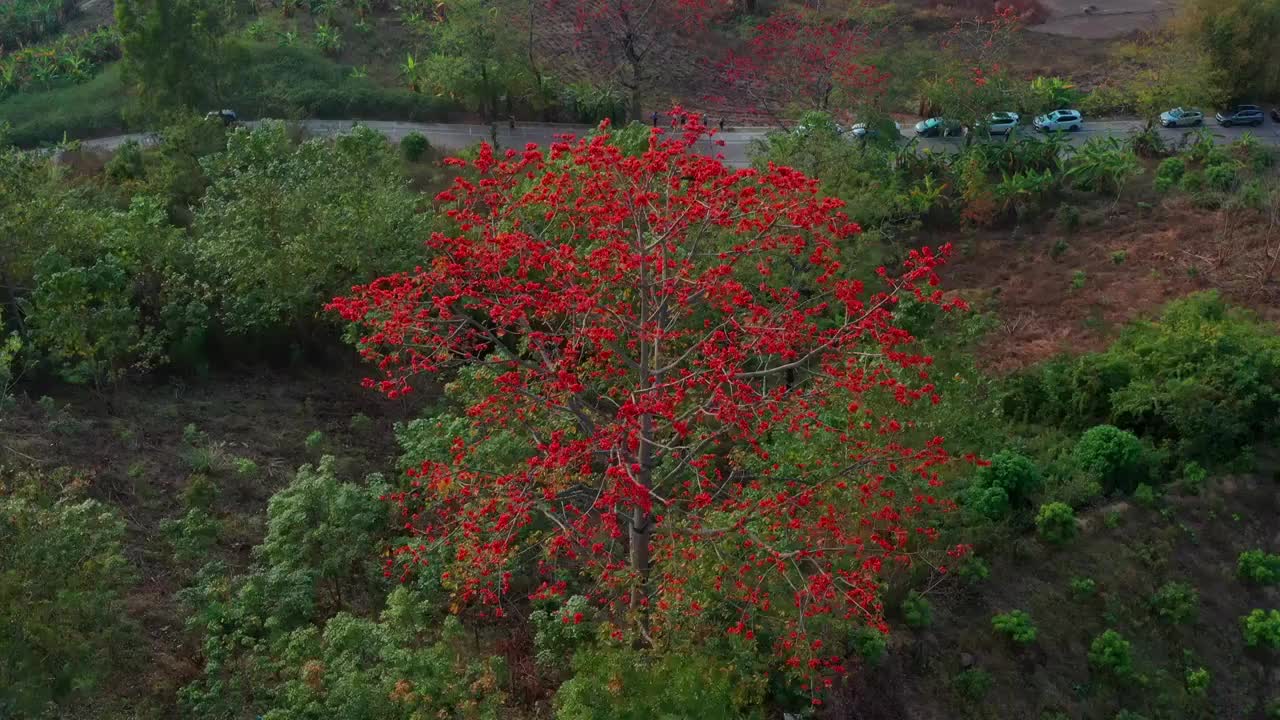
<point x="410" y="71"/>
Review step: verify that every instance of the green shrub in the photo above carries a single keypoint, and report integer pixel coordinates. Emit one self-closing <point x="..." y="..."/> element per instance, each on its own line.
<point x="192" y="536"/>
<point x="1222" y="178"/>
<point x="1111" y="655"/>
<point x="1083" y="588"/>
<point x="973" y="570"/>
<point x="916" y="610"/>
<point x="1078" y="280"/>
<point x="1258" y="567"/>
<point x="63" y="575"/>
<point x="1112" y="455"/>
<point x="246" y="468"/>
<point x="126" y="164"/>
<point x="1129" y="715"/>
<point x="643" y="685"/>
<point x="1192" y="182"/>
<point x="1262" y="629"/>
<point x="1169" y="173"/>
<point x="1068" y="217"/>
<point x="414" y="146"/>
<point x="1056" y="523"/>
<point x="560" y="633"/>
<point x="1013" y="472"/>
<point x="1175" y="603"/>
<point x="361" y="424"/>
<point x="1145" y="495"/>
<point x="314" y="440"/>
<point x="973" y="684"/>
<point x="1193" y="478"/>
<point x="1017" y="625"/>
<point x="870" y="644"/>
<point x="1197" y="682"/>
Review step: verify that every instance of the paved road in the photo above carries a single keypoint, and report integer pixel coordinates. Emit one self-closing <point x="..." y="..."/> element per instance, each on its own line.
<point x="736" y="140"/>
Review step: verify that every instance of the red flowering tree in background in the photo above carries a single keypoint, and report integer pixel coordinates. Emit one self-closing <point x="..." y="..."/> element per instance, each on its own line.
<point x="651" y="327"/>
<point x="799" y="60"/>
<point x="974" y="79"/>
<point x="633" y="42"/>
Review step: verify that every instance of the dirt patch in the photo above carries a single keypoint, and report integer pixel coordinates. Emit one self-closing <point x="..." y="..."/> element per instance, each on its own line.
<point x="1101" y="19"/>
<point x="1056" y="292"/>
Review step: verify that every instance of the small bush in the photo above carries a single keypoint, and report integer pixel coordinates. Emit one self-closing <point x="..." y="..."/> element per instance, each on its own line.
<point x="201" y="492"/>
<point x="1144" y="495"/>
<point x="974" y="570"/>
<point x="870" y="644"/>
<point x="1222" y="178"/>
<point x="1069" y="220"/>
<point x="916" y="610"/>
<point x="246" y="468"/>
<point x="1129" y="715"/>
<point x="361" y="424"/>
<point x="315" y="439"/>
<point x="1119" y="256"/>
<point x="1017" y="625"/>
<point x="1262" y="629"/>
<point x="1111" y="655"/>
<point x="1112" y="455"/>
<point x="1056" y="523"/>
<point x="1193" y="478"/>
<point x="1170" y="171"/>
<point x="1078" y="280"/>
<point x="414" y="146"/>
<point x="1258" y="567"/>
<point x="1083" y="588"/>
<point x="1192" y="182"/>
<point x="126" y="164"/>
<point x="1175" y="603"/>
<point x="973" y="684"/>
<point x="1197" y="682"/>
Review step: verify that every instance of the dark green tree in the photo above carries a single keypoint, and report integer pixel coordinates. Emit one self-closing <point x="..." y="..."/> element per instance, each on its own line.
<point x="174" y="50"/>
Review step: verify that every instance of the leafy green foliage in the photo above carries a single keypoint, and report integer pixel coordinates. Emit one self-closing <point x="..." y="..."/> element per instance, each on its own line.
<point x="1169" y="173"/>
<point x="613" y="683"/>
<point x="973" y="684"/>
<point x="1175" y="603"/>
<point x="560" y="633"/>
<point x="272" y="254"/>
<point x="1197" y="681"/>
<point x="1083" y="588"/>
<point x="1114" y="456"/>
<point x="1206" y="378"/>
<point x="1258" y="567"/>
<point x="1112" y="656"/>
<point x="1017" y="625"/>
<point x="917" y="612"/>
<point x="414" y="146"/>
<point x="1261" y="629"/>
<point x="871" y="645"/>
<point x="173" y="49"/>
<point x="1103" y="164"/>
<point x="1056" y="523"/>
<point x="62" y="577"/>
<point x="288" y="636"/>
<point x="1008" y="480"/>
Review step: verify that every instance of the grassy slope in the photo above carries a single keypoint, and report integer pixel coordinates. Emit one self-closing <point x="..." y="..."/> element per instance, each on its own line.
<point x="268" y="81"/>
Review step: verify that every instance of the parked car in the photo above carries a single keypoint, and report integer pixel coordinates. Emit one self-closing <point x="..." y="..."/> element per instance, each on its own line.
<point x="1181" y="117"/>
<point x="228" y="117"/>
<point x="937" y="127"/>
<point x="1241" y="115"/>
<point x="1057" y="120"/>
<point x="1275" y="114"/>
<point x="860" y="131"/>
<point x="1000" y="123"/>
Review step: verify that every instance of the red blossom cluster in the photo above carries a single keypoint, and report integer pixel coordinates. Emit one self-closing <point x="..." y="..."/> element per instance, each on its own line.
<point x="655" y="328"/>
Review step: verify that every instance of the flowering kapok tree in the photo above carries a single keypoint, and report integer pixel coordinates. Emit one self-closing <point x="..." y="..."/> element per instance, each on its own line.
<point x="650" y="327"/>
<point x="799" y="61"/>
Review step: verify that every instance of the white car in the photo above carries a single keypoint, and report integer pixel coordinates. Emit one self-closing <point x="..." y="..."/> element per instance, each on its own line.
<point x="1070" y="120"/>
<point x="1001" y="123"/>
<point x="861" y="131"/>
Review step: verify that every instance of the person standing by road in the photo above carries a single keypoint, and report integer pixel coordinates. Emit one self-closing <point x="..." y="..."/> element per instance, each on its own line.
<point x="655" y="118"/>
<point x="721" y="124"/>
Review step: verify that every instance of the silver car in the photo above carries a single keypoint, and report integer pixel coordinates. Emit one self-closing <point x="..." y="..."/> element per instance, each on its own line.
<point x="1181" y="117"/>
<point x="1001" y="123"/>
